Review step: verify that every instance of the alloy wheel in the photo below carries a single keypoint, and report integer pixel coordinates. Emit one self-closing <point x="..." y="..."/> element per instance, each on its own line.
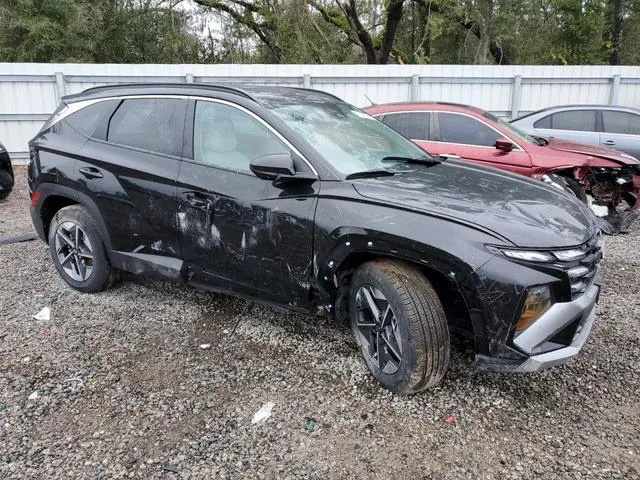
<point x="378" y="329"/>
<point x="74" y="251"/>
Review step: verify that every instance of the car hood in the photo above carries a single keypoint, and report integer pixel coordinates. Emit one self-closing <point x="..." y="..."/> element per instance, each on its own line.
<point x="593" y="150"/>
<point x="525" y="212"/>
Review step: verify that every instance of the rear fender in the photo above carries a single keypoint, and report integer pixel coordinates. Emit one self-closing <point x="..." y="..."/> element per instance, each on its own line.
<point x="48" y="190"/>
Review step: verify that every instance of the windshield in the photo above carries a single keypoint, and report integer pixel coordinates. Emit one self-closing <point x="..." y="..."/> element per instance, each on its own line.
<point x="346" y="137"/>
<point x="513" y="129"/>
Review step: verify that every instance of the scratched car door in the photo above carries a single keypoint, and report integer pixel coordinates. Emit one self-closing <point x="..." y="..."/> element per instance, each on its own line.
<point x="241" y="233"/>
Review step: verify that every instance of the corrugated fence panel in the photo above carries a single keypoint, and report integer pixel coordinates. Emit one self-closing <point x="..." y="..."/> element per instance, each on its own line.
<point x="29" y="92"/>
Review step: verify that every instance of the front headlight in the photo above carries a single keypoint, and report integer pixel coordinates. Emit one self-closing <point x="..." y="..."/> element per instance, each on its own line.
<point x="529" y="255"/>
<point x="537" y="302"/>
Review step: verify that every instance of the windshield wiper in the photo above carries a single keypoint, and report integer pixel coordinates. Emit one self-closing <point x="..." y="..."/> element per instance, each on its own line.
<point x="376" y="172"/>
<point x="541" y="140"/>
<point x="395" y="158"/>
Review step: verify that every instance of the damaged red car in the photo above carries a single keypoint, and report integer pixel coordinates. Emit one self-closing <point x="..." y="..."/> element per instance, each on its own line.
<point x="600" y="176"/>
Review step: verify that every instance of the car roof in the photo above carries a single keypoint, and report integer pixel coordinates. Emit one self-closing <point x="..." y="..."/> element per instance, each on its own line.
<point x="410" y="106"/>
<point x="584" y="106"/>
<point x="260" y="94"/>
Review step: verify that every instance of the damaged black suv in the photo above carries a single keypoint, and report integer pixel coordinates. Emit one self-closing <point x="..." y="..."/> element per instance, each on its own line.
<point x="295" y="198"/>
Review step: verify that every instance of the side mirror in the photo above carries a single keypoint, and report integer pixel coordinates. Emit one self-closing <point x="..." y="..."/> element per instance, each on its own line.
<point x="504" y="145"/>
<point x="270" y="167"/>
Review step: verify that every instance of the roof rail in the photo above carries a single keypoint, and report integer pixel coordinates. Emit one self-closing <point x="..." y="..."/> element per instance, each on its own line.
<point x="206" y="86"/>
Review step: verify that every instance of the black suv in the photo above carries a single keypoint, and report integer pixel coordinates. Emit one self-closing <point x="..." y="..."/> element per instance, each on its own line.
<point x="295" y="198"/>
<point x="6" y="173"/>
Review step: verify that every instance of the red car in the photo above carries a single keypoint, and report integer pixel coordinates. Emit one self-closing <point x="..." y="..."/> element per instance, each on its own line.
<point x="606" y="175"/>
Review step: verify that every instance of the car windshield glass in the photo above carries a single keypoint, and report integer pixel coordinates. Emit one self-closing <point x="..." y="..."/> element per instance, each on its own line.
<point x="346" y="137"/>
<point x="512" y="129"/>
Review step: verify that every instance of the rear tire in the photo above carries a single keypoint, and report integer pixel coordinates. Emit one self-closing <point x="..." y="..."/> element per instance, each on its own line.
<point x="406" y="344"/>
<point x="7" y="184"/>
<point x="78" y="252"/>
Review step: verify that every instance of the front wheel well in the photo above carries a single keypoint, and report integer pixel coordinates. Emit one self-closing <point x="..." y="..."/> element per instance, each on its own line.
<point x="455" y="307"/>
<point x="51" y="206"/>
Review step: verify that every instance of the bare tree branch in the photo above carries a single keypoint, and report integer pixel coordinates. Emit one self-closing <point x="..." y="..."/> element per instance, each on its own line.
<point x="246" y="18"/>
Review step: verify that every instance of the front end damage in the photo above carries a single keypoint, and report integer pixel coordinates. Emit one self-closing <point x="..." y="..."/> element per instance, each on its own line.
<point x="543" y="319"/>
<point x="613" y="195"/>
<point x="611" y="192"/>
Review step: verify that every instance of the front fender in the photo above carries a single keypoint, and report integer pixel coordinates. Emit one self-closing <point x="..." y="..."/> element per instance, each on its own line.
<point x="345" y="227"/>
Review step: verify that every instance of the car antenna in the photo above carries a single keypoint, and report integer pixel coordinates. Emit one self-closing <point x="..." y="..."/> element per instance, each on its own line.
<point x="370" y="101"/>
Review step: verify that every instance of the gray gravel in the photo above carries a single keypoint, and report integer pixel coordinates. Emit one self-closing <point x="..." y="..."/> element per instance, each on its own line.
<point x="116" y="385"/>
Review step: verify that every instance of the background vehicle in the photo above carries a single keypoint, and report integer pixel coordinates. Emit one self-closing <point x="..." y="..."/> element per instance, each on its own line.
<point x="614" y="127"/>
<point x="607" y="175"/>
<point x="6" y="173"/>
<point x="293" y="197"/>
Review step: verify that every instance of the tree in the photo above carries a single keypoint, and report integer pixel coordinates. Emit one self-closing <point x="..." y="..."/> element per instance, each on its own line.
<point x="377" y="48"/>
<point x="259" y="16"/>
<point x="109" y="31"/>
<point x="616" y="34"/>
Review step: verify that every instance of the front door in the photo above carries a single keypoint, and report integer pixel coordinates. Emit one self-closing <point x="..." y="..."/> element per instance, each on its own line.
<point x="240" y="233"/>
<point x="621" y="130"/>
<point x="473" y="140"/>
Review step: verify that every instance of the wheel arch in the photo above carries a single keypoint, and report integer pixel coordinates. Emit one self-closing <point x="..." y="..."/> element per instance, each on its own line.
<point x="444" y="283"/>
<point x="55" y="197"/>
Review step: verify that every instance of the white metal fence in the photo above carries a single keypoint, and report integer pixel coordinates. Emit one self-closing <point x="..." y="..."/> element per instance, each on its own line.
<point x="30" y="92"/>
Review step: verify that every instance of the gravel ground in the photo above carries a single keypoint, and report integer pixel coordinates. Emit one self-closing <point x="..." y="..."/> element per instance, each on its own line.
<point x="116" y="385"/>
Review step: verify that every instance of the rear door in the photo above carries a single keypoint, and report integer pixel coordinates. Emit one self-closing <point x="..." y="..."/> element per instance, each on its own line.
<point x="621" y="130"/>
<point x="474" y="140"/>
<point x="130" y="169"/>
<point x="573" y="125"/>
<point x="241" y="233"/>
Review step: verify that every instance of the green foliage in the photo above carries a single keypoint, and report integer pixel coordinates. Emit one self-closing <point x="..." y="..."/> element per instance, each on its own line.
<point x="570" y="32"/>
<point x="109" y="31"/>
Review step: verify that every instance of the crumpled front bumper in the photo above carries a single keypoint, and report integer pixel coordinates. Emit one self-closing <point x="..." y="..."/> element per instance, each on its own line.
<point x="536" y="343"/>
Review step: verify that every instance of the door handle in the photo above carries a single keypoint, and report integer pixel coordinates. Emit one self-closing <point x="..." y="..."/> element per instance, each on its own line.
<point x="91" y="172"/>
<point x="197" y="200"/>
<point x="608" y="142"/>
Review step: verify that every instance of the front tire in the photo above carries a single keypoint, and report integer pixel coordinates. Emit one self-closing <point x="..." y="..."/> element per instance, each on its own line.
<point x="399" y="325"/>
<point x="78" y="252"/>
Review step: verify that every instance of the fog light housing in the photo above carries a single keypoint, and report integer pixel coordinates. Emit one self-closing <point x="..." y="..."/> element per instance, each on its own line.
<point x="537" y="301"/>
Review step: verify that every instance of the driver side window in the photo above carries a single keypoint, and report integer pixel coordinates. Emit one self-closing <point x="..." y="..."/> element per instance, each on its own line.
<point x="227" y="137"/>
<point x="461" y="129"/>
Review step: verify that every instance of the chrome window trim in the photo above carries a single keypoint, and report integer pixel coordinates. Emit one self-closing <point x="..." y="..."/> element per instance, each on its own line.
<point x="76" y="106"/>
<point x="516" y="144"/>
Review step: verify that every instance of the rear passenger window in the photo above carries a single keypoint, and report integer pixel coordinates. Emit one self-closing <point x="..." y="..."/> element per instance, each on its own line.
<point x="155" y="124"/>
<point x="413" y="125"/>
<point x="579" y="120"/>
<point x="621" y="122"/>
<point x="92" y="117"/>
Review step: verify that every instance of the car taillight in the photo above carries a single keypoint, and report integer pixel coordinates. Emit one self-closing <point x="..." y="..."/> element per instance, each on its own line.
<point x="35" y="197"/>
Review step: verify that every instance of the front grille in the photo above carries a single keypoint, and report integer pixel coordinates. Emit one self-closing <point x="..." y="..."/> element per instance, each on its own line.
<point x="581" y="271"/>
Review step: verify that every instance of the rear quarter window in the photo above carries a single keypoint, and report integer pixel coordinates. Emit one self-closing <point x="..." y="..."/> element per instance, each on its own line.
<point x="92" y="119"/>
<point x="543" y="122"/>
